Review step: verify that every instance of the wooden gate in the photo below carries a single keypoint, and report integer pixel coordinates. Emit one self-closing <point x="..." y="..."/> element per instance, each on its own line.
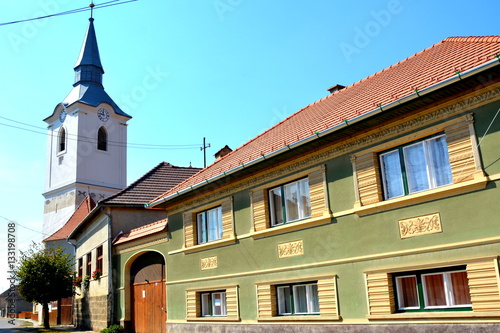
<point x="148" y="294"/>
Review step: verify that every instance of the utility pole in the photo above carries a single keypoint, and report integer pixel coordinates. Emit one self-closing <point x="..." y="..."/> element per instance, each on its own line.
<point x="204" y="148"/>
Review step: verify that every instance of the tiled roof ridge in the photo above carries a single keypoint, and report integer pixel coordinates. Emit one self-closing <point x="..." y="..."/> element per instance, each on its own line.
<point x="147" y="225"/>
<point x="473" y="39"/>
<point x="142" y="178"/>
<point x="138" y="181"/>
<point x="140" y="232"/>
<point x="86" y="201"/>
<point x="214" y="169"/>
<point x="324" y="98"/>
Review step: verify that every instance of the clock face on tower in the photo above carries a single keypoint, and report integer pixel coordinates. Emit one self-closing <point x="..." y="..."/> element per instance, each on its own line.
<point x="103" y="114"/>
<point x="62" y="116"/>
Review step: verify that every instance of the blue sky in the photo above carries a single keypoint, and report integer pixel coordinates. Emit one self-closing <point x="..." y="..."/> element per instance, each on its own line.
<point x="226" y="70"/>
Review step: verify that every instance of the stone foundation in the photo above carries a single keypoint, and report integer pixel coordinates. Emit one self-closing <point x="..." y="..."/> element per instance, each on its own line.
<point x="361" y="328"/>
<point x="92" y="313"/>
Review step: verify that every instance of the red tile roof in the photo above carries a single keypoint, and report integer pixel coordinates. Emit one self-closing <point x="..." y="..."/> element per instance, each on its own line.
<point x="146" y="230"/>
<point x="80" y="213"/>
<point x="424" y="69"/>
<point x="155" y="182"/>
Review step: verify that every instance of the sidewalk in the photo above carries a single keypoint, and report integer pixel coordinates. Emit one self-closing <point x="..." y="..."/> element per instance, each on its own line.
<point x="61" y="328"/>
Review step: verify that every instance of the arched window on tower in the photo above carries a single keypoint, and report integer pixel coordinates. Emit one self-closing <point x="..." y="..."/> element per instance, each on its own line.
<point x="102" y="139"/>
<point x="62" y="140"/>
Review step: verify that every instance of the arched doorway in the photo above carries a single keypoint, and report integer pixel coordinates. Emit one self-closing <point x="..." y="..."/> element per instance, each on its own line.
<point x="148" y="294"/>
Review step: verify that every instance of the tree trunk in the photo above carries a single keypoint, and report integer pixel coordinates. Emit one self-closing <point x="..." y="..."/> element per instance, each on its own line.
<point x="46" y="316"/>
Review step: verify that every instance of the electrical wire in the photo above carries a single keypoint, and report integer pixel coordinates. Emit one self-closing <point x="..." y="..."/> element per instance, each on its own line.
<point x="93" y="140"/>
<point x="72" y="11"/>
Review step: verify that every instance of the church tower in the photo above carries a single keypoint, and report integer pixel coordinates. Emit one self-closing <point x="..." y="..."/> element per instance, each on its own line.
<point x="87" y="142"/>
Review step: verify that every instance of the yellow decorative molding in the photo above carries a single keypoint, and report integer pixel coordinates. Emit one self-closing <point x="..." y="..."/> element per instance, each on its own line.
<point x="432" y="265"/>
<point x="141" y="244"/>
<point x="205" y="246"/>
<point x="209" y="263"/>
<point x="420" y="225"/>
<point x="436" y="315"/>
<point x="307" y="223"/>
<point x="290" y="249"/>
<point x="384" y="255"/>
<point x="424" y="196"/>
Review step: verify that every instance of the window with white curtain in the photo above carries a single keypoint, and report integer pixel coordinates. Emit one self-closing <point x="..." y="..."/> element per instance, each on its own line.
<point x="298" y="299"/>
<point x="415" y="167"/>
<point x="213" y="304"/>
<point x="290" y="202"/>
<point x="209" y="225"/>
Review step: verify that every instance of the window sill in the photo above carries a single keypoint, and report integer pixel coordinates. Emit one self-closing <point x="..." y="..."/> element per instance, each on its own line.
<point x="430" y="195"/>
<point x="206" y="246"/>
<point x="299" y="318"/>
<point x="311" y="222"/>
<point x="436" y="315"/>
<point x="212" y="319"/>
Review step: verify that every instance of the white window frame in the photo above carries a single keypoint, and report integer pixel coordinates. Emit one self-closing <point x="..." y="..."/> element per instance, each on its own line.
<point x="405" y="180"/>
<point x="204" y="224"/>
<point x="209" y="306"/>
<point x="448" y="291"/>
<point x="310" y="300"/>
<point x="303" y="212"/>
<point x="399" y="291"/>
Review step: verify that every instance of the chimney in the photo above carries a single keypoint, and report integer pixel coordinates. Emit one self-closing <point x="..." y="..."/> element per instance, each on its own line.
<point x="335" y="88"/>
<point x="223" y="152"/>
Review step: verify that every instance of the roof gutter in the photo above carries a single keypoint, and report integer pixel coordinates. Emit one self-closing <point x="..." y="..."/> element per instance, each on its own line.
<point x="382" y="108"/>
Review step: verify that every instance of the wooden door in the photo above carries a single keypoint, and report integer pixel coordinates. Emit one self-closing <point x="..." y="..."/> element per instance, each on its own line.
<point x="149" y="311"/>
<point x="148" y="294"/>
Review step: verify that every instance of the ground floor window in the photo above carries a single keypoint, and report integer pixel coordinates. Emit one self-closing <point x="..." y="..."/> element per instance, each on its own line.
<point x="297" y="299"/>
<point x="435" y="289"/>
<point x="213" y="304"/>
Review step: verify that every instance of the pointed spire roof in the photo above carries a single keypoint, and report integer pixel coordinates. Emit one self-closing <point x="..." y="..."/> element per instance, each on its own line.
<point x="88" y="86"/>
<point x="89" y="54"/>
<point x="88" y="67"/>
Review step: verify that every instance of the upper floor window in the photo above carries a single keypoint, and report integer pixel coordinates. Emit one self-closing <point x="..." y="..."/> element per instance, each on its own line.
<point x="213" y="304"/>
<point x="289" y="202"/>
<point x="99" y="257"/>
<point x="209" y="225"/>
<point x="415" y="167"/>
<point x="102" y="139"/>
<point x="433" y="290"/>
<point x="62" y="140"/>
<point x="80" y="267"/>
<point x="88" y="270"/>
<point x="298" y="299"/>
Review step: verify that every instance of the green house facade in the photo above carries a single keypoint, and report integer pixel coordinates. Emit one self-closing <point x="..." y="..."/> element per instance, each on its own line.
<point x="374" y="208"/>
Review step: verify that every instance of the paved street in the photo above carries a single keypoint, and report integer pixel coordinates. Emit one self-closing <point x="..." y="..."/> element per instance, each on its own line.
<point x="6" y="327"/>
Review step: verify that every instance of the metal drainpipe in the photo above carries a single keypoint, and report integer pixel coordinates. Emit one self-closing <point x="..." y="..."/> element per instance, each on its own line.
<point x="72" y="297"/>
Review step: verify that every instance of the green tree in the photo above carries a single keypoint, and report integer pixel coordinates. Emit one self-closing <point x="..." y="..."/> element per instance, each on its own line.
<point x="45" y="275"/>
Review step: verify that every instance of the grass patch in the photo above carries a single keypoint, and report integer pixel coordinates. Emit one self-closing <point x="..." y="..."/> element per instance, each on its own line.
<point x="26" y="324"/>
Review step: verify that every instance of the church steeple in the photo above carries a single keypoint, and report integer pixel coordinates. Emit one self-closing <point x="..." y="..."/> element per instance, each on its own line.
<point x="81" y="160"/>
<point x="88" y="68"/>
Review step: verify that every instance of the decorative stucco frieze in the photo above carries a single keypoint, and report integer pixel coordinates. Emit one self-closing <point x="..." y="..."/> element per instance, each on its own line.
<point x="290" y="249"/>
<point x="420" y="225"/>
<point x="209" y="263"/>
